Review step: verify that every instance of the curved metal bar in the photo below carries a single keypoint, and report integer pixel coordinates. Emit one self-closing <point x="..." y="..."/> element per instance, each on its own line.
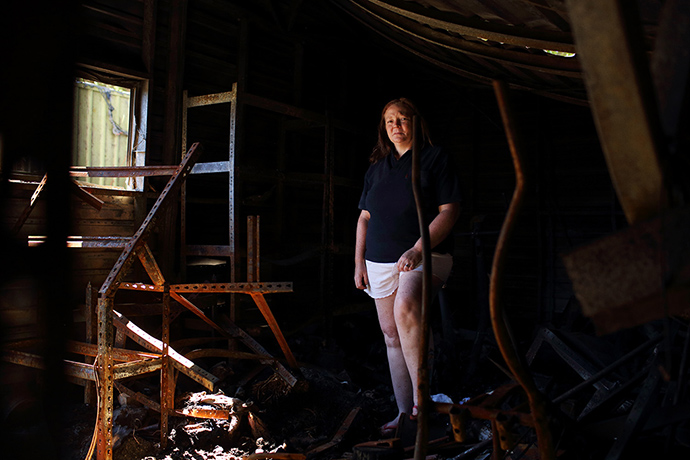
<point x="536" y="401"/>
<point x="423" y="373"/>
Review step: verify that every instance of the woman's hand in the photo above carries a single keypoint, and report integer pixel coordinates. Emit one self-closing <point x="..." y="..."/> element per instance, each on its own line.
<point x="361" y="275"/>
<point x="409" y="260"/>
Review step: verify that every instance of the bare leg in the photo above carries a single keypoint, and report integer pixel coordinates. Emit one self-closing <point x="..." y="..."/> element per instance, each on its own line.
<point x="407" y="312"/>
<point x="402" y="385"/>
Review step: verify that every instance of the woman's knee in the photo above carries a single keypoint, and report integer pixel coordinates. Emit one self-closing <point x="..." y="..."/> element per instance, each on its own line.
<point x="407" y="312"/>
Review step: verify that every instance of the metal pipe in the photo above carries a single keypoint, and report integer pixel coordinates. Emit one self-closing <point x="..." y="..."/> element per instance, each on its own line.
<point x="423" y="372"/>
<point x="498" y="319"/>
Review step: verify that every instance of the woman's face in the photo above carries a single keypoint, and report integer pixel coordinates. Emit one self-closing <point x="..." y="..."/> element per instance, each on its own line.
<point x="398" y="127"/>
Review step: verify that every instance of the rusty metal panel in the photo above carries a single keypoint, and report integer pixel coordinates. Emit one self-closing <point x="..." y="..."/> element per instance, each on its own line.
<point x="634" y="276"/>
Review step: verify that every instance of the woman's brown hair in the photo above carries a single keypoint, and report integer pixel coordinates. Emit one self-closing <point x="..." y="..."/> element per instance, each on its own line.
<point x="384" y="146"/>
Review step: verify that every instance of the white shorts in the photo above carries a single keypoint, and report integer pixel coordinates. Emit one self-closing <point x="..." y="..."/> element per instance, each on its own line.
<point x="384" y="277"/>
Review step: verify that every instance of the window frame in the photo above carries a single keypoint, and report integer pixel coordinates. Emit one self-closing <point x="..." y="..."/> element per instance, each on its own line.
<point x="138" y="115"/>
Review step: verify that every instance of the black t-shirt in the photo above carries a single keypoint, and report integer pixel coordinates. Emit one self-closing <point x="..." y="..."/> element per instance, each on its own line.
<point x="389" y="198"/>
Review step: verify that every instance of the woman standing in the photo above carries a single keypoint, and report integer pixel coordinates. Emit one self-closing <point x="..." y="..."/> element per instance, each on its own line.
<point x="388" y="252"/>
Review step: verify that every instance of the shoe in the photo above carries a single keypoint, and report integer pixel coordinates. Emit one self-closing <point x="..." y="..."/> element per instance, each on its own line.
<point x="415" y="412"/>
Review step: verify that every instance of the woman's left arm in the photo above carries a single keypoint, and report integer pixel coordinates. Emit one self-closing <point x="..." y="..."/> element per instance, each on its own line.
<point x="439" y="229"/>
<point x="442" y="225"/>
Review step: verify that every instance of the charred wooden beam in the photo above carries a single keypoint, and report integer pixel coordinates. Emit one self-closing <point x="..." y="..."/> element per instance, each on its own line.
<point x="621" y="96"/>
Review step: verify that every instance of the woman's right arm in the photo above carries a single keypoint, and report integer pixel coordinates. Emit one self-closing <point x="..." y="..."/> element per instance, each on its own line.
<point x="361" y="276"/>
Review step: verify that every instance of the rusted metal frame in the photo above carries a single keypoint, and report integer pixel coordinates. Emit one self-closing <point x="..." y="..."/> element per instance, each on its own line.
<point x="197" y="311"/>
<point x="151" y="404"/>
<point x="86" y="196"/>
<point x="482" y="413"/>
<point x="260" y="302"/>
<point x="253" y="249"/>
<point x="339" y="435"/>
<point x="582" y="367"/>
<point x="111" y="283"/>
<point x="638" y="414"/>
<point x="422" y="390"/>
<point x="85" y="242"/>
<point x="537" y="403"/>
<point x="22" y="358"/>
<point x="30" y="207"/>
<point x="149" y="342"/>
<point x="119" y="354"/>
<point x="134" y="368"/>
<point x="167" y="396"/>
<point x="22" y="344"/>
<point x="106" y="380"/>
<point x="82" y="371"/>
<point x="503" y="33"/>
<point x="234" y="139"/>
<point x="183" y="191"/>
<point x="622" y="102"/>
<point x="121" y="171"/>
<point x="214" y="288"/>
<point x="255" y="346"/>
<point x="567" y="67"/>
<point x="150" y="265"/>
<point x="594" y="377"/>
<point x="79" y="370"/>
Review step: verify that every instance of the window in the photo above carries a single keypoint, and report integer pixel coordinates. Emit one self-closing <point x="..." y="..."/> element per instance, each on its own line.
<point x="108" y="130"/>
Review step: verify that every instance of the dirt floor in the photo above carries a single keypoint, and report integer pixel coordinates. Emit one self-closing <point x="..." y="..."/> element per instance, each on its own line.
<point x="343" y="397"/>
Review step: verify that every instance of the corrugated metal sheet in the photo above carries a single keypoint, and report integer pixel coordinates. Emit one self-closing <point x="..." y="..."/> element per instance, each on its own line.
<point x="101" y="127"/>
